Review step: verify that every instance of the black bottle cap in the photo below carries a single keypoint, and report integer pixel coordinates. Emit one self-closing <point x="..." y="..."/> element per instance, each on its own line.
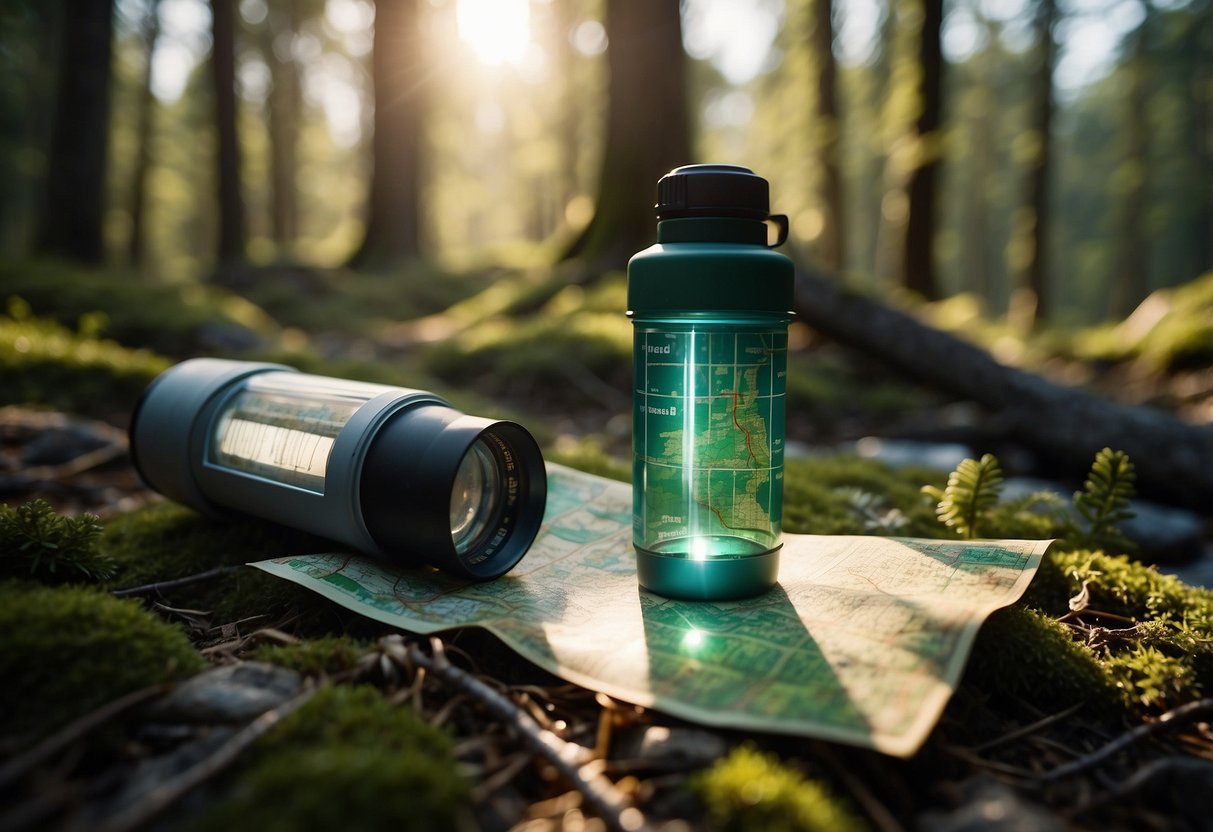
<point x="712" y="191"/>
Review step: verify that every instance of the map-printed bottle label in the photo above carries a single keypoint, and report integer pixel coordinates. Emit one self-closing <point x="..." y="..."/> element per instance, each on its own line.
<point x="708" y="428"/>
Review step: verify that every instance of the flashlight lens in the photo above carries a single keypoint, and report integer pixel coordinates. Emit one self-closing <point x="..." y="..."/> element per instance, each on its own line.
<point x="474" y="496"/>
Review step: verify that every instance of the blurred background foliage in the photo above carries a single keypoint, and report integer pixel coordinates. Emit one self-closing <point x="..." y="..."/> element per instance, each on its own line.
<point x="428" y="180"/>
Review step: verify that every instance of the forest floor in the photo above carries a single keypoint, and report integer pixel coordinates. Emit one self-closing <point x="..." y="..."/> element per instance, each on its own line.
<point x="1084" y="705"/>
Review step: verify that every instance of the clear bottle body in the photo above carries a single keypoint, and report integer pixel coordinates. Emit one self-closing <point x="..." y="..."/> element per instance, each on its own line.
<point x="708" y="435"/>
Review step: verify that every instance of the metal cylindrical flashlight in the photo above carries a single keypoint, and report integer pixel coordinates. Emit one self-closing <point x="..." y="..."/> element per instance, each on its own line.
<point x="392" y="472"/>
<point x="710" y="306"/>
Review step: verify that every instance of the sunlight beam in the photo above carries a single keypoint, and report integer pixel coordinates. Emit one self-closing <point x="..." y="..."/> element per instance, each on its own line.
<point x="498" y="31"/>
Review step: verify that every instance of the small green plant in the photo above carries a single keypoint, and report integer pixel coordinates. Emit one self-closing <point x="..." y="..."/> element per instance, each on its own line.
<point x="972" y="490"/>
<point x="750" y="790"/>
<point x="970" y="503"/>
<point x="1104" y="500"/>
<point x="38" y="543"/>
<point x="1151" y="677"/>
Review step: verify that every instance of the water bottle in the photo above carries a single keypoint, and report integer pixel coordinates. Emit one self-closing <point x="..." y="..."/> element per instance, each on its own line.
<point x="710" y="305"/>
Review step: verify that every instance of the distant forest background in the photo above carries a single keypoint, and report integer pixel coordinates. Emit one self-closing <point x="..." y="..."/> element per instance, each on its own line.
<point x="1054" y="158"/>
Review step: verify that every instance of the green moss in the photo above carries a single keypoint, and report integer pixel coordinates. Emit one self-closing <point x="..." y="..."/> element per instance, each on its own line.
<point x="357" y="302"/>
<point x="587" y="455"/>
<point x="1179" y="335"/>
<point x="750" y="790"/>
<point x="1023" y="654"/>
<point x="314" y="657"/>
<point x="68" y="650"/>
<point x="348" y="753"/>
<point x="1149" y="677"/>
<point x="849" y="495"/>
<point x="42" y="363"/>
<point x="827" y="387"/>
<point x="544" y="355"/>
<point x="1121" y="586"/>
<point x="165" y="541"/>
<point x="172" y="319"/>
<point x="37" y="543"/>
<point x="1157" y="642"/>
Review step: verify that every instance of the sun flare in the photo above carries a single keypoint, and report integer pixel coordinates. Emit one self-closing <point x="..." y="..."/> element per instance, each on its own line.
<point x="498" y="31"/>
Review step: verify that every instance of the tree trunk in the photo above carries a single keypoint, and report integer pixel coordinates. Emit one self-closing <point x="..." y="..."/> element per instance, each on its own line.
<point x="1201" y="112"/>
<point x="70" y="223"/>
<point x="647" y="128"/>
<point x="977" y="242"/>
<point x="393" y="219"/>
<point x="1133" y="260"/>
<point x="1066" y="425"/>
<point x="285" y="102"/>
<point x="1028" y="246"/>
<point x="232" y="232"/>
<point x="918" y="271"/>
<point x="137" y="245"/>
<point x="829" y="249"/>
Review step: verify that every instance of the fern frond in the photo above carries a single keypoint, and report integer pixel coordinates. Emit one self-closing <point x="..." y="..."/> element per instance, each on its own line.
<point x="972" y="490"/>
<point x="1104" y="499"/>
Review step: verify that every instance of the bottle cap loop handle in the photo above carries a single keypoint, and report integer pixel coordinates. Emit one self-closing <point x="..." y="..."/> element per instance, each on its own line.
<point x="780" y="221"/>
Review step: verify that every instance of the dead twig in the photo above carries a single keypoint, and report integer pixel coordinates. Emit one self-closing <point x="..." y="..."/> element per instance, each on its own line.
<point x="876" y="811"/>
<point x="173" y="789"/>
<point x="1025" y="730"/>
<point x="1168" y="721"/>
<point x="148" y="589"/>
<point x="572" y="761"/>
<point x="1020" y="774"/>
<point x="56" y="742"/>
<point x="1145" y="775"/>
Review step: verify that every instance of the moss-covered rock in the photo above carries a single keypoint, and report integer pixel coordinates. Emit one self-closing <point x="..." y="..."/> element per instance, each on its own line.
<point x="348" y="757"/>
<point x="44" y="363"/>
<point x="68" y="650"/>
<point x="325" y="656"/>
<point x="165" y="541"/>
<point x="750" y="791"/>
<point x="176" y="319"/>
<point x="1024" y="654"/>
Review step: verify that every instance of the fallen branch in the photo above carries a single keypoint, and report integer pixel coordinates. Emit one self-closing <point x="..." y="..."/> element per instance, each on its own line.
<point x="1144" y="776"/>
<point x="1067" y="425"/>
<point x="575" y="763"/>
<point x="173" y="583"/>
<point x="171" y="790"/>
<point x="18" y="766"/>
<point x="1025" y="730"/>
<point x="1170" y="720"/>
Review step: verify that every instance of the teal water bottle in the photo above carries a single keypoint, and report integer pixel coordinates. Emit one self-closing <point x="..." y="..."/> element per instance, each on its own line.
<point x="710" y="308"/>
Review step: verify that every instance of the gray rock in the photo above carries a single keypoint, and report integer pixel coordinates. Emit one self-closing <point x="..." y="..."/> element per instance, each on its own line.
<point x="230" y="694"/>
<point x="1164" y="534"/>
<point x="903" y="453"/>
<point x="58" y="445"/>
<point x="1170" y="535"/>
<point x="660" y="746"/>
<point x="988" y="806"/>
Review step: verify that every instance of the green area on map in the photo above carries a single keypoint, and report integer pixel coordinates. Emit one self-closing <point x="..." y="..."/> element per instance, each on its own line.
<point x="717" y="400"/>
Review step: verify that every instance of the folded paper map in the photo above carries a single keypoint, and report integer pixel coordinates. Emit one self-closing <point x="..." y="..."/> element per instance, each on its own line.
<point x="862" y="642"/>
